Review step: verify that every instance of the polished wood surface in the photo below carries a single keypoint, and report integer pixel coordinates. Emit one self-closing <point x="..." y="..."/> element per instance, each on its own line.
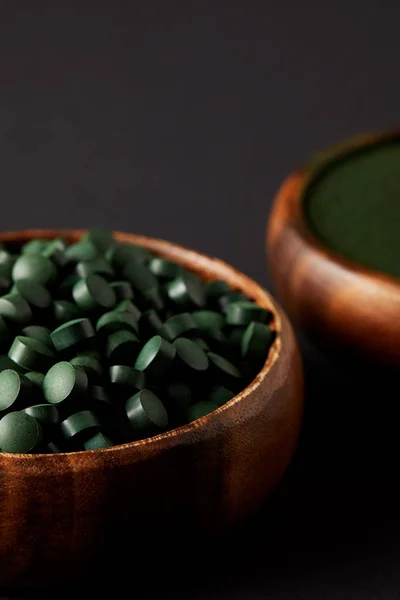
<point x="345" y="308"/>
<point x="61" y="513"/>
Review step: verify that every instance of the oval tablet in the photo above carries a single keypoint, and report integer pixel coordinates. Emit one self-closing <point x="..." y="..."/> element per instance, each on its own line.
<point x="72" y="333"/>
<point x="19" y="433"/>
<point x="33" y="267"/>
<point x="64" y="382"/>
<point x="31" y="354"/>
<point x="146" y="411"/>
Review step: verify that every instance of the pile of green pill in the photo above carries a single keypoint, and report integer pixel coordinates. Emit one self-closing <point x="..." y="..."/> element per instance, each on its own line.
<point x="104" y="343"/>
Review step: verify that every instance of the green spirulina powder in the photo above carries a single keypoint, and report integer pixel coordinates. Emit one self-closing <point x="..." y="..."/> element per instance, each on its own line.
<point x="353" y="206"/>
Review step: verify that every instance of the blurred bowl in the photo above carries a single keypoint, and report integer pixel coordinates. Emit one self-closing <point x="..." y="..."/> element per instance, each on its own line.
<point x="348" y="309"/>
<point x="61" y="513"/>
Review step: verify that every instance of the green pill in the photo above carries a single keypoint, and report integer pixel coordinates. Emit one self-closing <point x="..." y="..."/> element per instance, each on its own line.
<point x="19" y="433"/>
<point x="202" y="344"/>
<point x="64" y="382"/>
<point x="45" y="414"/>
<point x="156" y="356"/>
<point x="128" y="306"/>
<point x="177" y="325"/>
<point x="72" y="333"/>
<point x="100" y="237"/>
<point x="34" y="293"/>
<point x="14" y="389"/>
<point x="200" y="409"/>
<point x="140" y="277"/>
<point x="38" y="332"/>
<point x="145" y="411"/>
<point x="122" y="347"/>
<point x="220" y="395"/>
<point x="242" y="313"/>
<point x="97" y="266"/>
<point x="163" y="268"/>
<point x="97" y="442"/>
<point x="58" y="243"/>
<point x="216" y="337"/>
<point x="64" y="311"/>
<point x="190" y="354"/>
<point x="35" y="378"/>
<point x="81" y="251"/>
<point x="215" y="289"/>
<point x="93" y="292"/>
<point x="55" y="252"/>
<point x="123" y="290"/>
<point x="33" y="267"/>
<point x="91" y="366"/>
<point x="16" y="309"/>
<point x="187" y="290"/>
<point x="34" y="247"/>
<point x="122" y="254"/>
<point x="31" y="354"/>
<point x="82" y="424"/>
<point x="125" y="376"/>
<point x="221" y="365"/>
<point x="114" y="321"/>
<point x="208" y="320"/>
<point x="257" y="340"/>
<point x="227" y="299"/>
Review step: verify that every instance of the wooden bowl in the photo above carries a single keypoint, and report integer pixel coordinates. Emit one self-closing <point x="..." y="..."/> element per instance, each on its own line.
<point x="348" y="309"/>
<point x="61" y="513"/>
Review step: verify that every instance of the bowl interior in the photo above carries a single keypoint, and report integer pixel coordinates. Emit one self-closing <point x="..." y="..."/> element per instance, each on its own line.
<point x="209" y="269"/>
<point x="350" y="203"/>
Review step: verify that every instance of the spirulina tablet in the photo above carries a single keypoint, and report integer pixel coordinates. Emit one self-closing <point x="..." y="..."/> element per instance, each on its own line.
<point x="72" y="333"/>
<point x="14" y="390"/>
<point x="38" y="332"/>
<point x="31" y="354"/>
<point x="64" y="382"/>
<point x="146" y="411"/>
<point x="33" y="267"/>
<point x="99" y="440"/>
<point x="243" y="312"/>
<point x="156" y="356"/>
<point x="94" y="292"/>
<point x="19" y="433"/>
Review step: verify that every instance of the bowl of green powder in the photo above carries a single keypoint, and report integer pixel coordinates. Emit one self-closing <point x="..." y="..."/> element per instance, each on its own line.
<point x="333" y="244"/>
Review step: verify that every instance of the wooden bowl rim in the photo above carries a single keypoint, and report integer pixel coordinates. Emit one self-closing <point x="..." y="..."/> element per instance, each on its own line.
<point x="291" y="195"/>
<point x="191" y="259"/>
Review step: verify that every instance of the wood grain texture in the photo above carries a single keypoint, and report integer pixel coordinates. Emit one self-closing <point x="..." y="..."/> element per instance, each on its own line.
<point x="343" y="307"/>
<point x="62" y="513"/>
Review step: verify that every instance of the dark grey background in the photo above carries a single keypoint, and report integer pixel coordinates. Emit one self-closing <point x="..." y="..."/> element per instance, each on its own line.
<point x="179" y="120"/>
